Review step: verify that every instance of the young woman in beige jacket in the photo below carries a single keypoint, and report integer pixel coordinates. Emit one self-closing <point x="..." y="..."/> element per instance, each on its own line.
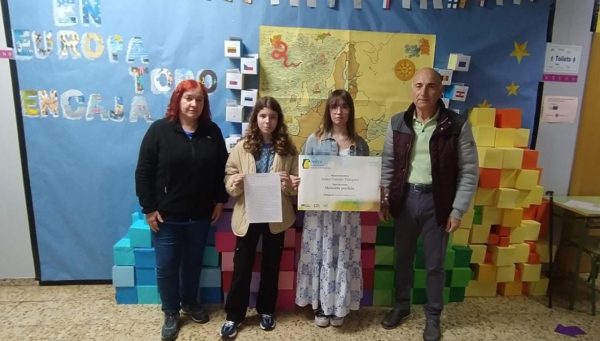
<point x="266" y="147"/>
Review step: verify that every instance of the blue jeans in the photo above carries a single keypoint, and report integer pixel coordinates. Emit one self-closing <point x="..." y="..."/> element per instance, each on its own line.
<point x="179" y="250"/>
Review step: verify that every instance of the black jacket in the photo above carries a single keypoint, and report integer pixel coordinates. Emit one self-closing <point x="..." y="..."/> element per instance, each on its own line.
<point x="182" y="178"/>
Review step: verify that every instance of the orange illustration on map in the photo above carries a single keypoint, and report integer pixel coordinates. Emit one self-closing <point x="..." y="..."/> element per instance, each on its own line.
<point x="280" y="51"/>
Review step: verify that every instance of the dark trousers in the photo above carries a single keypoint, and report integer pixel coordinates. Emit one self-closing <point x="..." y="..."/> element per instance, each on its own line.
<point x="243" y="260"/>
<point x="417" y="217"/>
<point x="179" y="250"/>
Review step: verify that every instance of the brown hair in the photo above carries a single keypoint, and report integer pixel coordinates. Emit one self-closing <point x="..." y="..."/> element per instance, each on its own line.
<point x="281" y="140"/>
<point x="336" y="98"/>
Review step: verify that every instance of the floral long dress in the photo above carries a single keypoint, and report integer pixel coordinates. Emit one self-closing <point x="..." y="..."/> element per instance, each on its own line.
<point x="329" y="270"/>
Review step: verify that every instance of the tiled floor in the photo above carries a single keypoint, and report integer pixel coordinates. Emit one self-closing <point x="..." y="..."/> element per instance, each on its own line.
<point x="89" y="312"/>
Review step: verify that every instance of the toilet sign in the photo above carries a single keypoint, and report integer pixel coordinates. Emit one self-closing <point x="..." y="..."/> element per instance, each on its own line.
<point x="561" y="63"/>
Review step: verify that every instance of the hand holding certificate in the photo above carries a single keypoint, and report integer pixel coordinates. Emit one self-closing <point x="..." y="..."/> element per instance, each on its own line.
<point x="339" y="183"/>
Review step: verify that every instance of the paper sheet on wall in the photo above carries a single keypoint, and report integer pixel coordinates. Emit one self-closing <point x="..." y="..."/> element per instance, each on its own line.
<point x="559" y="109"/>
<point x="423" y="4"/>
<point x="261" y="205"/>
<point x="311" y="3"/>
<point x="406" y="4"/>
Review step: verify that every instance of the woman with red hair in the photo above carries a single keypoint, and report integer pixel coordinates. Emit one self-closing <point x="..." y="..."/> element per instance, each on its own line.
<point x="179" y="183"/>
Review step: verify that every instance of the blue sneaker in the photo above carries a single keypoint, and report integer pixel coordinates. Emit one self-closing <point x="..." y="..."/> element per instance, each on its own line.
<point x="267" y="322"/>
<point x="229" y="329"/>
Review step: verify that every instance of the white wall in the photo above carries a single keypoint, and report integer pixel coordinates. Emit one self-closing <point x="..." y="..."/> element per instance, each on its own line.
<point x="556" y="141"/>
<point x="16" y="258"/>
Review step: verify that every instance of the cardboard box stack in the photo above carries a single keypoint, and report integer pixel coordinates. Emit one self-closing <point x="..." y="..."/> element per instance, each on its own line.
<point x="134" y="270"/>
<point x="503" y="226"/>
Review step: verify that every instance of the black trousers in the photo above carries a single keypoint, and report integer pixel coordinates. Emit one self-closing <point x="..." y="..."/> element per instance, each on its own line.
<point x="243" y="260"/>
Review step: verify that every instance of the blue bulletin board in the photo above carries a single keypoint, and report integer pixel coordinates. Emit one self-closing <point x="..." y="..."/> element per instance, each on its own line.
<point x="92" y="75"/>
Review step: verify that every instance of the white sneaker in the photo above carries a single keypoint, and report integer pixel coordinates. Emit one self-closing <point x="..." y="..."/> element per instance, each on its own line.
<point x="321" y="319"/>
<point x="336" y="321"/>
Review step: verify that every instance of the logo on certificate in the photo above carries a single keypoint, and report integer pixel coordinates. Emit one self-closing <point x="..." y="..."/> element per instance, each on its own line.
<point x="306" y="164"/>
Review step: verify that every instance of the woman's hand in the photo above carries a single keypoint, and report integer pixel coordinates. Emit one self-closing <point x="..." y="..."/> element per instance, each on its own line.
<point x="286" y="183"/>
<point x="237" y="181"/>
<point x="295" y="182"/>
<point x="153" y="218"/>
<point x="216" y="213"/>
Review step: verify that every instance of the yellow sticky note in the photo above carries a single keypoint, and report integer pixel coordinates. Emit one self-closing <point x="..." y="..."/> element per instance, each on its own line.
<point x="479" y="234"/>
<point x="480" y="289"/>
<point x="489" y="157"/>
<point x="522" y="138"/>
<point x="522" y="199"/>
<point x="507" y="197"/>
<point x="527" y="179"/>
<point x="521" y="252"/>
<point x="478" y="253"/>
<point x="510" y="288"/>
<point x="505" y="137"/>
<point x="467" y="219"/>
<point x="531" y="229"/>
<point x="505" y="273"/>
<point x="461" y="236"/>
<point x="485" y="273"/>
<point x="491" y="215"/>
<point x="530" y="272"/>
<point x="511" y="217"/>
<point x="502" y="255"/>
<point x="535" y="195"/>
<point x="485" y="197"/>
<point x="482" y="117"/>
<point x="512" y="158"/>
<point x="537" y="288"/>
<point x="517" y="235"/>
<point x="508" y="178"/>
<point x="484" y="136"/>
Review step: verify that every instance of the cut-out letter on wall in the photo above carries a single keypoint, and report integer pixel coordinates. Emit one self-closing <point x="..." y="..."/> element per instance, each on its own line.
<point x="67" y="42"/>
<point x="183" y="74"/>
<point x="29" y="103"/>
<point x="90" y="12"/>
<point x="92" y="45"/>
<point x="64" y="12"/>
<point x="137" y="73"/>
<point x="94" y="108"/>
<point x="42" y="44"/>
<point x="161" y="80"/>
<point x="48" y="102"/>
<point x="209" y="79"/>
<point x="23" y="44"/>
<point x="118" y="112"/>
<point x="72" y="103"/>
<point x="136" y="49"/>
<point x="139" y="108"/>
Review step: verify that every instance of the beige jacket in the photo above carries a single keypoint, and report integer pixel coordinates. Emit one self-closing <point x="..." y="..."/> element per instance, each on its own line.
<point x="240" y="161"/>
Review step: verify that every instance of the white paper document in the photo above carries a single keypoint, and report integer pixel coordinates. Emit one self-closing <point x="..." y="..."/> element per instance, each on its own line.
<point x="262" y="206"/>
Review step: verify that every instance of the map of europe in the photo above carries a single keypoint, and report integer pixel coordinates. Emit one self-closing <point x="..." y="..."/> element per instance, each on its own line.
<point x="301" y="66"/>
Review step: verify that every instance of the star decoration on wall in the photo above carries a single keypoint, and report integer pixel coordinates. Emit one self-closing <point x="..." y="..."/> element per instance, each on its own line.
<point x="512" y="89"/>
<point x="520" y="51"/>
<point x="485" y="104"/>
